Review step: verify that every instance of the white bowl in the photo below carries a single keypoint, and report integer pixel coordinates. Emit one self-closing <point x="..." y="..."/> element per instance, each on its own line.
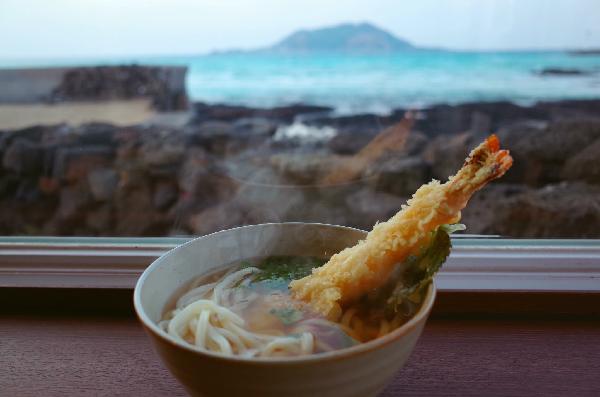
<point x="361" y="370"/>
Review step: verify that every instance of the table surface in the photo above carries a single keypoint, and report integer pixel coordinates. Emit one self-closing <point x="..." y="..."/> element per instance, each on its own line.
<point x="92" y="355"/>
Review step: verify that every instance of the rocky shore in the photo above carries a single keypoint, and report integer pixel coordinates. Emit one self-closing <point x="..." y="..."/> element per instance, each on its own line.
<point x="234" y="165"/>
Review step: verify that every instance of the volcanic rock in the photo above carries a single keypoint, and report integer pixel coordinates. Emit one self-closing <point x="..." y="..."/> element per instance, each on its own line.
<point x="103" y="183"/>
<point x="402" y="176"/>
<point x="568" y="210"/>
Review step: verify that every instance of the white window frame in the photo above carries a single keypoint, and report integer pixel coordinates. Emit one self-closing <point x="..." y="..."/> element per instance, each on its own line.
<point x="483" y="264"/>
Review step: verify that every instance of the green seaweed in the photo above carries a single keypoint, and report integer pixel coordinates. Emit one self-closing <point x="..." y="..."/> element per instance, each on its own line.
<point x="418" y="270"/>
<point x="287" y="268"/>
<point x="287" y="315"/>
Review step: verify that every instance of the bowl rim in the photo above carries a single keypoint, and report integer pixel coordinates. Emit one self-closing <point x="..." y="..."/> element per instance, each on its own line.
<point x="360" y="348"/>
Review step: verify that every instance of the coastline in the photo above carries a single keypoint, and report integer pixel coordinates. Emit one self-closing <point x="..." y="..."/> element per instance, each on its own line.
<point x="374" y="83"/>
<point x="221" y="166"/>
<point x="158" y="164"/>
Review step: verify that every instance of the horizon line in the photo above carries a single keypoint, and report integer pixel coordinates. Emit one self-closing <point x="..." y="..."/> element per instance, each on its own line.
<point x="216" y="52"/>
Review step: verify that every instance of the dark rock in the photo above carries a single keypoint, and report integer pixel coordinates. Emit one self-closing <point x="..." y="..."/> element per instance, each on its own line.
<point x="480" y="214"/>
<point x="569" y="210"/>
<point x="21" y="218"/>
<point x="245" y="171"/>
<point x="73" y="202"/>
<point x="233" y="213"/>
<point x="23" y="157"/>
<point x="249" y="133"/>
<point x="28" y="191"/>
<point x="133" y="177"/>
<point x="474" y="117"/>
<point x="278" y="203"/>
<point x="570" y="109"/>
<point x="8" y="185"/>
<point x="446" y="154"/>
<point x="147" y="180"/>
<point x="197" y="176"/>
<point x="219" y="217"/>
<point x="367" y="207"/>
<point x="103" y="183"/>
<point x="298" y="169"/>
<point x="193" y="171"/>
<point x="255" y="127"/>
<point x="211" y="135"/>
<point x="12" y="221"/>
<point x="525" y="169"/>
<point x="162" y="151"/>
<point x="402" y="176"/>
<point x="563" y="139"/>
<point x="33" y="133"/>
<point x="454" y="119"/>
<point x="289" y="113"/>
<point x="591" y="52"/>
<point x="350" y="141"/>
<point x="48" y="185"/>
<point x="165" y="194"/>
<point x="584" y="166"/>
<point x="136" y="215"/>
<point x="238" y="212"/>
<point x="330" y="212"/>
<point x="129" y="136"/>
<point x="481" y="124"/>
<point x="100" y="219"/>
<point x="563" y="72"/>
<point x="5" y="140"/>
<point x="214" y="129"/>
<point x="59" y="136"/>
<point x="415" y="143"/>
<point x="74" y="163"/>
<point x="164" y="85"/>
<point x="510" y="136"/>
<point x="539" y="150"/>
<point x="96" y="134"/>
<point x="200" y="187"/>
<point x="205" y="112"/>
<point x="540" y="154"/>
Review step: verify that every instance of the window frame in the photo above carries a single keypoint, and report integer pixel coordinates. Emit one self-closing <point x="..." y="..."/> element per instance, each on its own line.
<point x="477" y="263"/>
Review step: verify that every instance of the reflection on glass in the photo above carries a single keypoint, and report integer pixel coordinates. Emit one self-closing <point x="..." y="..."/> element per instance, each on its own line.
<point x="339" y="124"/>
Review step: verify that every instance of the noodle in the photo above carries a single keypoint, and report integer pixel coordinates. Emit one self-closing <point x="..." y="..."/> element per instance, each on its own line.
<point x="210" y="317"/>
<point x="213" y="326"/>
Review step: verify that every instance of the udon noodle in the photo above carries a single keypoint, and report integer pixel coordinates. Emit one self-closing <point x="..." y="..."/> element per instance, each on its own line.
<point x="240" y="314"/>
<point x="206" y="317"/>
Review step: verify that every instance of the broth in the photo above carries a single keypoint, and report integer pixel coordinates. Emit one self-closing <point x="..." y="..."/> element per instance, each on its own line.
<point x="247" y="310"/>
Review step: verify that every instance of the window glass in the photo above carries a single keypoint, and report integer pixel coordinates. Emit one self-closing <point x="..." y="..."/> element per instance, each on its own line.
<point x="184" y="117"/>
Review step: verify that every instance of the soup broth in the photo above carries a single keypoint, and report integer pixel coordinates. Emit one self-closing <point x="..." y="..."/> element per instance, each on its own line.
<point x="247" y="310"/>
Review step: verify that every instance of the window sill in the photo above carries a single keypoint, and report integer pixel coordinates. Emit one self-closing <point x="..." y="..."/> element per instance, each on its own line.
<point x="476" y="264"/>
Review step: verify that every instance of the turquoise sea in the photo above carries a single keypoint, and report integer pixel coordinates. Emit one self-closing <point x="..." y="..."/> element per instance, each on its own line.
<point x="375" y="83"/>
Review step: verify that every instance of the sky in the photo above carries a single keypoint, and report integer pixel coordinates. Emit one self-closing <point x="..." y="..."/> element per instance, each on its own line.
<point x="98" y="28"/>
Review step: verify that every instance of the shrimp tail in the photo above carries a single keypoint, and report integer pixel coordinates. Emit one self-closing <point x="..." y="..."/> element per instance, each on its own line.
<point x="485" y="163"/>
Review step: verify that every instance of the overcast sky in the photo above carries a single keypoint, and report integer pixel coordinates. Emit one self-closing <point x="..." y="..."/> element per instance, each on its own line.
<point x="96" y="28"/>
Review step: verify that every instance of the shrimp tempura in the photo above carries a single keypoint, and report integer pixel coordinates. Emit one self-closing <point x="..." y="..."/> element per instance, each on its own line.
<point x="357" y="270"/>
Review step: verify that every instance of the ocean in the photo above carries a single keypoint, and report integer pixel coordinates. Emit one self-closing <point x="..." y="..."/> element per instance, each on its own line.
<point x="375" y="84"/>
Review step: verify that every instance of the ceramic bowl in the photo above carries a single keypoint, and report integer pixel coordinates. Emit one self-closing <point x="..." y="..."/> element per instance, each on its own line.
<point x="361" y="370"/>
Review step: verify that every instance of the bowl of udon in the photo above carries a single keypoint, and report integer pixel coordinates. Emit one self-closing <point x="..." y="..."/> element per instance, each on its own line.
<point x="305" y="309"/>
<point x="280" y="351"/>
